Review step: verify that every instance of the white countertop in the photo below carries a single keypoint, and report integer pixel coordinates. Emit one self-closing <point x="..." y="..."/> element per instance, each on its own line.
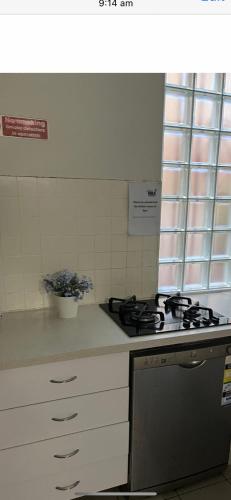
<point x="36" y="337"/>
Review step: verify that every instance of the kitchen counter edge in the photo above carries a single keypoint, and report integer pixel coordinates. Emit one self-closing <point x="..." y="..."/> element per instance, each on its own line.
<point x="49" y="339"/>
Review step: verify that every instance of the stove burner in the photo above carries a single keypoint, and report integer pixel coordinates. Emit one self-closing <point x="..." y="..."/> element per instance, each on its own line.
<point x="139" y="314"/>
<point x="173" y="302"/>
<point x="146" y="317"/>
<point x="194" y="314"/>
<point x="162" y="314"/>
<point x="127" y="304"/>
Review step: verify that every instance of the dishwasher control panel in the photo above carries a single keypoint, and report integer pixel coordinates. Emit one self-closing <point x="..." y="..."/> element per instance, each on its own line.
<point x="180" y="357"/>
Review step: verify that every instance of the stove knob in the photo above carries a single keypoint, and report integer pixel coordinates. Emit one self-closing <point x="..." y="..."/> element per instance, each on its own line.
<point x="196" y="323"/>
<point x="186" y="323"/>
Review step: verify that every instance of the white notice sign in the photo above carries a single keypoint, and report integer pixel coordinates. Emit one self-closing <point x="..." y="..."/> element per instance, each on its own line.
<point x="144" y="208"/>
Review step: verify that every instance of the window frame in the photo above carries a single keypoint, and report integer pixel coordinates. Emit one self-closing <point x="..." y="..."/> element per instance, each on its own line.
<point x="219" y="96"/>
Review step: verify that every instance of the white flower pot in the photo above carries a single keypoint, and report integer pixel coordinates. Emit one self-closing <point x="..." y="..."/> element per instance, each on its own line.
<point x="67" y="307"/>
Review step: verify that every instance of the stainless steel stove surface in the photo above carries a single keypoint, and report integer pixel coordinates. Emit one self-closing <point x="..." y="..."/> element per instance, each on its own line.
<point x="161" y="314"/>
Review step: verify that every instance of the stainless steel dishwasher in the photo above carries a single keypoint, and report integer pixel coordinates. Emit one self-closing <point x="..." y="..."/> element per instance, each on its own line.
<point x="179" y="428"/>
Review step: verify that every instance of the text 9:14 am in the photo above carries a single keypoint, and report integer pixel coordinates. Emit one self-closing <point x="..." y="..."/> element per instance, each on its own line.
<point x="116" y="3"/>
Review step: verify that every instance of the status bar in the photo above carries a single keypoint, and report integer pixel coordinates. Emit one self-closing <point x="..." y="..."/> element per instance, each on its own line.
<point x="116" y="7"/>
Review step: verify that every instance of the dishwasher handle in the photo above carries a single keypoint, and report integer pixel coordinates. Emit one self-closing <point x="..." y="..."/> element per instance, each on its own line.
<point x="193" y="364"/>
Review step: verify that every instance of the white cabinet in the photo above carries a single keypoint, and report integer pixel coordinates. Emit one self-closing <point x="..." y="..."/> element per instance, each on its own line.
<point x="55" y="456"/>
<point x="91" y="477"/>
<point x="64" y="428"/>
<point x="51" y="381"/>
<point x="43" y="421"/>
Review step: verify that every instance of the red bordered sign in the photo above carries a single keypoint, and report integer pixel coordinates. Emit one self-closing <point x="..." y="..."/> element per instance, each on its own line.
<point x="12" y="126"/>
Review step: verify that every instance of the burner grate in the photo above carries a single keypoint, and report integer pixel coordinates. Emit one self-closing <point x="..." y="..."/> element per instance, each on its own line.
<point x="173" y="302"/>
<point x="138" y="313"/>
<point x="162" y="314"/>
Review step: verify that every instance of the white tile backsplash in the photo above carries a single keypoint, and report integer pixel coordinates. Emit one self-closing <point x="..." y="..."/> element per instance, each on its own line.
<point x="119" y="242"/>
<point x="102" y="243"/>
<point x="8" y="186"/>
<point x="134" y="259"/>
<point x="119" y="225"/>
<point x="134" y="243"/>
<point x="85" y="243"/>
<point x="147" y="259"/>
<point x="87" y="260"/>
<point x="102" y="277"/>
<point x="119" y="207"/>
<point x="103" y="260"/>
<point x="11" y="246"/>
<point x="118" y="276"/>
<point x="27" y="186"/>
<point x="118" y="260"/>
<point x="13" y="283"/>
<point x="31" y="242"/>
<point x="33" y="300"/>
<point x="31" y="282"/>
<point x="51" y="224"/>
<point x="15" y="301"/>
<point x="29" y="205"/>
<point x="12" y="264"/>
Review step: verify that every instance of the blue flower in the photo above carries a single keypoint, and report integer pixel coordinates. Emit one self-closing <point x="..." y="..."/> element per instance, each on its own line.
<point x="67" y="284"/>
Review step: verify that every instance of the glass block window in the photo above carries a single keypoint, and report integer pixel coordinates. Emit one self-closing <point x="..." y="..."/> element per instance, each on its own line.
<point x="195" y="240"/>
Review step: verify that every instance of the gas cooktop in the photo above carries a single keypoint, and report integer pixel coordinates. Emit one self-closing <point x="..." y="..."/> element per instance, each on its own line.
<point x="161" y="314"/>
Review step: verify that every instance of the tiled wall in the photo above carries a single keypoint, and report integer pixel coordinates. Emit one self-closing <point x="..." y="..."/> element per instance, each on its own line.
<point x="50" y="224"/>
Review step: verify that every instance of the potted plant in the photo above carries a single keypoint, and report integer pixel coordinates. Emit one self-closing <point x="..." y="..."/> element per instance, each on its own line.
<point x="67" y="288"/>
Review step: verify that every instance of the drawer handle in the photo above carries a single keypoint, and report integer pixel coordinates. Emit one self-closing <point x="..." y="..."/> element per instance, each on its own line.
<point x="63" y="381"/>
<point x="69" y="487"/>
<point x="68" y="455"/>
<point x="64" y="419"/>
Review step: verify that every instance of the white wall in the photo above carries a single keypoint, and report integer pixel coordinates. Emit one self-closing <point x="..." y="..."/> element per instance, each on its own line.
<point x="105" y="126"/>
<point x="52" y="224"/>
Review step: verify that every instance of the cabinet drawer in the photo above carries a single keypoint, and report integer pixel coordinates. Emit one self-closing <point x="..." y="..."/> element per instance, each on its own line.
<point x="52" y="381"/>
<point x="92" y="477"/>
<point x="46" y="420"/>
<point x="56" y="456"/>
